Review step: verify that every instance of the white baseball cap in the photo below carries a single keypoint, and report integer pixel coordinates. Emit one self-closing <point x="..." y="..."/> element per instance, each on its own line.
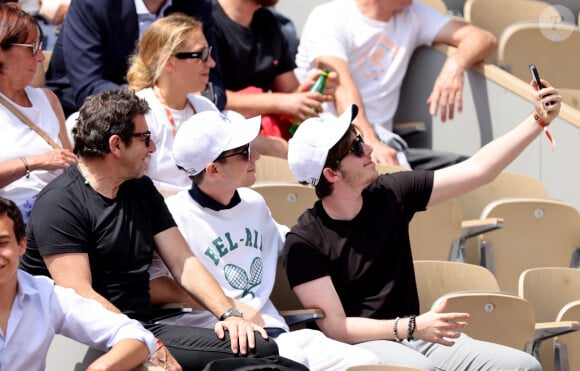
<point x="206" y="135"/>
<point x="308" y="148"/>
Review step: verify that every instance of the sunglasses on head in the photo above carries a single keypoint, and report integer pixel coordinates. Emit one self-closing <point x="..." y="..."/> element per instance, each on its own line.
<point x="244" y="151"/>
<point x="35" y="46"/>
<point x="203" y="54"/>
<point x="356" y="148"/>
<point x="144" y="134"/>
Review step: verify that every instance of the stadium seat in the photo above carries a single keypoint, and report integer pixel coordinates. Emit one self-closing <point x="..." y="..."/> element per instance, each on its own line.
<point x="506" y="184"/>
<point x="496" y="15"/>
<point x="270" y="168"/>
<point x="549" y="289"/>
<point x="436" y="278"/>
<point x="520" y="43"/>
<point x="567" y="346"/>
<point x="537" y="233"/>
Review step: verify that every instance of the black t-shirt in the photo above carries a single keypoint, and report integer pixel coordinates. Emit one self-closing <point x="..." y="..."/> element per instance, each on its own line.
<point x="251" y="56"/>
<point x="369" y="257"/>
<point x="69" y="216"/>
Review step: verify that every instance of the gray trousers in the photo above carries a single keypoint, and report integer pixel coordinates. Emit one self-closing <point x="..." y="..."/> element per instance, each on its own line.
<point x="466" y="355"/>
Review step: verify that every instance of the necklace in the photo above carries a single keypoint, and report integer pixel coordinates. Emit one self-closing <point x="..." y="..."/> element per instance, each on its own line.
<point x="168" y="113"/>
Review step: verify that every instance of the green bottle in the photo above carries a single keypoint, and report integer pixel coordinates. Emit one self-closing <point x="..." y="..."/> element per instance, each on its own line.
<point x="318" y="86"/>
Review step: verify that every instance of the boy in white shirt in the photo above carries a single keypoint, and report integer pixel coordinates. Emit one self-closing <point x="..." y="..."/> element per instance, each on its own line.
<point x="230" y="228"/>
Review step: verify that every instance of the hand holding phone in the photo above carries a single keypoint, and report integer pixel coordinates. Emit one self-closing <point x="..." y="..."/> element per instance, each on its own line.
<point x="536" y="76"/>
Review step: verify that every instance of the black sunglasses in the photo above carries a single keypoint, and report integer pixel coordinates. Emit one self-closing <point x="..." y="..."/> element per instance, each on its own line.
<point x="35" y="46"/>
<point x="244" y="151"/>
<point x="203" y="54"/>
<point x="144" y="134"/>
<point x="356" y="148"/>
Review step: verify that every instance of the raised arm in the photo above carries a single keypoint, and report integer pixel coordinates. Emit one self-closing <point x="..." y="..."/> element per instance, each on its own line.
<point x="492" y="158"/>
<point x="432" y="326"/>
<point x="473" y="45"/>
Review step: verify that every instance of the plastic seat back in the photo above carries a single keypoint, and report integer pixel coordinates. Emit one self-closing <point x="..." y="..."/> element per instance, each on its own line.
<point x="499" y="318"/>
<point x="506" y="184"/>
<point x="561" y="40"/>
<point x="436" y="278"/>
<point x="287" y="201"/>
<point x="434" y="232"/>
<point x="496" y="15"/>
<point x="549" y="289"/>
<point x="536" y="233"/>
<point x="270" y="168"/>
<point x="568" y="345"/>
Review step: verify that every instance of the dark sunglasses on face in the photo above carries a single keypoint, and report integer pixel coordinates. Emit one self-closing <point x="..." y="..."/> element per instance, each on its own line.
<point x="144" y="134"/>
<point x="35" y="46"/>
<point x="356" y="148"/>
<point x="203" y="54"/>
<point x="244" y="151"/>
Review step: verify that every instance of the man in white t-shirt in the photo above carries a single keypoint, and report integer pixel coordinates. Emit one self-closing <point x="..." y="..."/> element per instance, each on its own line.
<point x="369" y="43"/>
<point x="230" y="228"/>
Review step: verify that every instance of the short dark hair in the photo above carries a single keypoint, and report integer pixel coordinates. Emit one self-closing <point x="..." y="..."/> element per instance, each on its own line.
<point x="103" y="115"/>
<point x="199" y="177"/>
<point x="14" y="24"/>
<point x="324" y="188"/>
<point x="9" y="208"/>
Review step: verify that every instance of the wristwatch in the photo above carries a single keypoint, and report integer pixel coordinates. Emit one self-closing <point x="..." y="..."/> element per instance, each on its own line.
<point x="231" y="312"/>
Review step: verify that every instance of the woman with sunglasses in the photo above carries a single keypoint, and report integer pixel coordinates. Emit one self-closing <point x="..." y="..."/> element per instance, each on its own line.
<point x="27" y="160"/>
<point x="169" y="69"/>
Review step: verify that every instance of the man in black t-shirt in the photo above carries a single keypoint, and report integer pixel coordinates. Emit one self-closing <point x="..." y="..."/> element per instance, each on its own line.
<point x="96" y="226"/>
<point x="258" y="71"/>
<point x="350" y="254"/>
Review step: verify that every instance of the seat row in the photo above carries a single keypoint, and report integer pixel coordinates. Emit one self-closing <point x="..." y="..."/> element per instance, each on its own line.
<point x="546" y="307"/>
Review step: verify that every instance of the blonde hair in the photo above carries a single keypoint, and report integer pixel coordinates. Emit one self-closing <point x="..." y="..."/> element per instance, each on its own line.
<point x="159" y="42"/>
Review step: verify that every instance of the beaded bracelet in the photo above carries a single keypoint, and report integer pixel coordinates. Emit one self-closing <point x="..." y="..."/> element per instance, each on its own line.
<point x="395" y="334"/>
<point x="411" y="327"/>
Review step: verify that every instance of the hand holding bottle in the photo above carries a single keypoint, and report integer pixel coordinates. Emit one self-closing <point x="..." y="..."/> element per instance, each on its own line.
<point x="317" y="87"/>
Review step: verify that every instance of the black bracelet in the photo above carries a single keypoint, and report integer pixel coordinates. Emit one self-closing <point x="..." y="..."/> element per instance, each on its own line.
<point x="411" y="327"/>
<point x="395" y="334"/>
<point x="26" y="167"/>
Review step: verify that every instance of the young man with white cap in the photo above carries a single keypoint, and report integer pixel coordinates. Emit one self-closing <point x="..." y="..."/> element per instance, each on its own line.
<point x="350" y="254"/>
<point x="230" y="228"/>
<point x="96" y="227"/>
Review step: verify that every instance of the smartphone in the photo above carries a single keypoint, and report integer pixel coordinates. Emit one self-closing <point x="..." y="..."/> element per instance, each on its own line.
<point x="536" y="76"/>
